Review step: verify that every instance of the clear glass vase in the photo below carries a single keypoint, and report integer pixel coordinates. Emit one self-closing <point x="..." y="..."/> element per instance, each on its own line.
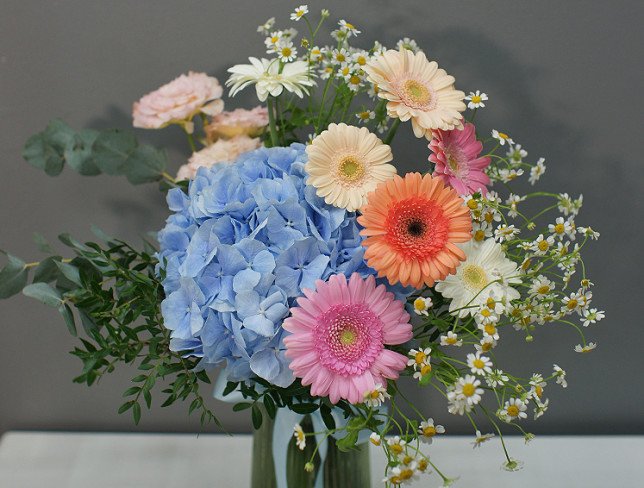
<point x="340" y="469"/>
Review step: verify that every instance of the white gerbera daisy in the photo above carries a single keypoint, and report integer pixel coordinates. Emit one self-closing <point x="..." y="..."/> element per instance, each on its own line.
<point x="264" y="73"/>
<point x="485" y="270"/>
<point x="418" y="90"/>
<point x="346" y="163"/>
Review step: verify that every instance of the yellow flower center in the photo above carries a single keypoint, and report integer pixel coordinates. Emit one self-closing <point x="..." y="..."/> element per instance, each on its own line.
<point x="286" y="52"/>
<point x="478" y="364"/>
<point x="375" y="442"/>
<point x="526" y="264"/>
<point x="419" y="304"/>
<point x="486" y="312"/>
<point x="429" y="431"/>
<point x="490" y="302"/>
<point x="345" y="71"/>
<point x="407" y="459"/>
<point x="422" y="465"/>
<point x="513" y="411"/>
<point x="361" y="60"/>
<point x="502" y="135"/>
<point x="572" y="304"/>
<point x="538" y="390"/>
<point x="473" y="204"/>
<point x="420" y="357"/>
<point x="354" y="80"/>
<point x="349" y="26"/>
<point x="396" y="448"/>
<point x="426" y="369"/>
<point x="474" y="276"/>
<point x="374" y="394"/>
<point x="365" y="115"/>
<point x="543" y="289"/>
<point x="340" y="57"/>
<point x="274" y="39"/>
<point x="417" y="93"/>
<point x="406" y="474"/>
<point x="476" y="99"/>
<point x="396" y="480"/>
<point x="560" y="228"/>
<point x="351" y="169"/>
<point x="489" y="217"/>
<point x="543" y="245"/>
<point x="479" y="235"/>
<point x="347" y="337"/>
<point x="490" y="329"/>
<point x="486" y="346"/>
<point x="468" y="389"/>
<point x="451" y="340"/>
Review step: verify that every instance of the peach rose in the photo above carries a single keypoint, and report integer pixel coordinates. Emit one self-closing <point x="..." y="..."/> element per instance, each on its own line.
<point x="238" y="122"/>
<point x="222" y="151"/>
<point x="178" y="102"/>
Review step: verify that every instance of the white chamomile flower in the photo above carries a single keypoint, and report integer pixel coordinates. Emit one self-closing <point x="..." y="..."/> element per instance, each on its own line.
<point x="273" y="40"/>
<point x="479" y="364"/>
<point x="339" y="56"/>
<point x="537" y="171"/>
<point x="516" y="154"/>
<point x="542" y="244"/>
<point x="376" y="397"/>
<point x="451" y="339"/>
<point x="286" y="52"/>
<point x="300" y="438"/>
<point x="428" y="430"/>
<point x="266" y="27"/>
<point x="348" y="28"/>
<point x="537" y="384"/>
<point x="541" y="286"/>
<point x="396" y="445"/>
<point x="365" y="116"/>
<point x="268" y="80"/>
<point x="464" y="394"/>
<point x="375" y="439"/>
<point x="407" y="43"/>
<point x="573" y="303"/>
<point x="502" y="137"/>
<point x="360" y="57"/>
<point x="485" y="267"/>
<point x="496" y="378"/>
<point x="587" y="231"/>
<point x="476" y="99"/>
<point x="562" y="228"/>
<point x="422" y="305"/>
<point x="514" y="409"/>
<point x="513" y="201"/>
<point x="506" y="175"/>
<point x="299" y="12"/>
<point x="316" y="54"/>
<point x="489" y="330"/>
<point x="592" y="316"/>
<point x="505" y="232"/>
<point x="587" y="348"/>
<point x="481" y="438"/>
<point x="541" y="408"/>
<point x="560" y="376"/>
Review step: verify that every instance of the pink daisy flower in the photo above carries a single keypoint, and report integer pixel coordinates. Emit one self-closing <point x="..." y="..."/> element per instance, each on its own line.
<point x="456" y="155"/>
<point x="338" y="337"/>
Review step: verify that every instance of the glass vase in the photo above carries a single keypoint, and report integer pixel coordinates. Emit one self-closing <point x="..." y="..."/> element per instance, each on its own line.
<point x="340" y="469"/>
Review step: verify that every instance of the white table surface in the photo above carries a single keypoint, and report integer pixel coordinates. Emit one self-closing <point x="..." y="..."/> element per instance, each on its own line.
<point x="87" y="460"/>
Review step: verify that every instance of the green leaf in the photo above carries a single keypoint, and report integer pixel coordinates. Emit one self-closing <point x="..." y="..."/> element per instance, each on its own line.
<point x="47" y="271"/>
<point x="327" y="417"/>
<point x="70" y="272"/>
<point x="131" y="391"/>
<point x="238" y="407"/>
<point x="348" y="442"/>
<point x="125" y="407"/>
<point x="112" y="148"/>
<point x="43" y="293"/>
<point x="269" y="405"/>
<point x="256" y="415"/>
<point x="136" y="413"/>
<point x="43" y="245"/>
<point x="13" y="277"/>
<point x="304" y="408"/>
<point x="230" y="387"/>
<point x="145" y="164"/>
<point x="67" y="314"/>
<point x="79" y="154"/>
<point x="45" y="149"/>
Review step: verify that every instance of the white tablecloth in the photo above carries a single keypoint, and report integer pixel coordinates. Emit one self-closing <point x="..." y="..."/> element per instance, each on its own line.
<point x="73" y="460"/>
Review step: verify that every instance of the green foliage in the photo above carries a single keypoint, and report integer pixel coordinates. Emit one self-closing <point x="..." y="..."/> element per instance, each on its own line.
<point x="116" y="296"/>
<point x="90" y="152"/>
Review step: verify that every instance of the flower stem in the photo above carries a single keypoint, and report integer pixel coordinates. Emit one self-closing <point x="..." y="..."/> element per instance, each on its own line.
<point x="392" y="131"/>
<point x="271" y="122"/>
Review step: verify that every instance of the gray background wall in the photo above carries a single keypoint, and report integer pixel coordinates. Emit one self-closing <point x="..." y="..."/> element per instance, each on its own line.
<point x="565" y="78"/>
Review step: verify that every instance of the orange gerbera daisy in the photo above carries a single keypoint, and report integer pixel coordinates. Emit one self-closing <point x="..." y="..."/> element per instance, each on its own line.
<point x="412" y="226"/>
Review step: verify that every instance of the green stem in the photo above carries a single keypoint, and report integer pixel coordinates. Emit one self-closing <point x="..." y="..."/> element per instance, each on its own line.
<point x="392" y="131"/>
<point x="271" y="122"/>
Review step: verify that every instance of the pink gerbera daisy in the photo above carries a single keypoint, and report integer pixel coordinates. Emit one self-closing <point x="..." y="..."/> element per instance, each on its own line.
<point x="338" y="337"/>
<point x="456" y="155"/>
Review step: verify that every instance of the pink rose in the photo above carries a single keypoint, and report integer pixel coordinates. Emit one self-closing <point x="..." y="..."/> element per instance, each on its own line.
<point x="238" y="122"/>
<point x="224" y="150"/>
<point x="178" y="102"/>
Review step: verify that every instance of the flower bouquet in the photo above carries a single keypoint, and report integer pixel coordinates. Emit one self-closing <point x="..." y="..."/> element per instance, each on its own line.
<point x="308" y="277"/>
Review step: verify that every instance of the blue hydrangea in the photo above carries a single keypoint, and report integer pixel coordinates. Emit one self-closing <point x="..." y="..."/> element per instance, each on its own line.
<point x="238" y="250"/>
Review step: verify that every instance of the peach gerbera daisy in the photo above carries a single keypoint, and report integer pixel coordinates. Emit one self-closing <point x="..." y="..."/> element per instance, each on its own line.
<point x="338" y="335"/>
<point x="345" y="163"/>
<point x="417" y="90"/>
<point x="412" y="226"/>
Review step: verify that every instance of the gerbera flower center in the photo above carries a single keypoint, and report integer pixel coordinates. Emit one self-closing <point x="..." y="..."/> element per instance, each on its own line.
<point x="350" y="169"/>
<point x="417" y="228"/>
<point x="416" y="95"/>
<point x="474" y="277"/>
<point x="348" y="338"/>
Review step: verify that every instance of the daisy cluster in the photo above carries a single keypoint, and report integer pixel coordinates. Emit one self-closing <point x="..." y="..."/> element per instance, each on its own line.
<point x="300" y="266"/>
